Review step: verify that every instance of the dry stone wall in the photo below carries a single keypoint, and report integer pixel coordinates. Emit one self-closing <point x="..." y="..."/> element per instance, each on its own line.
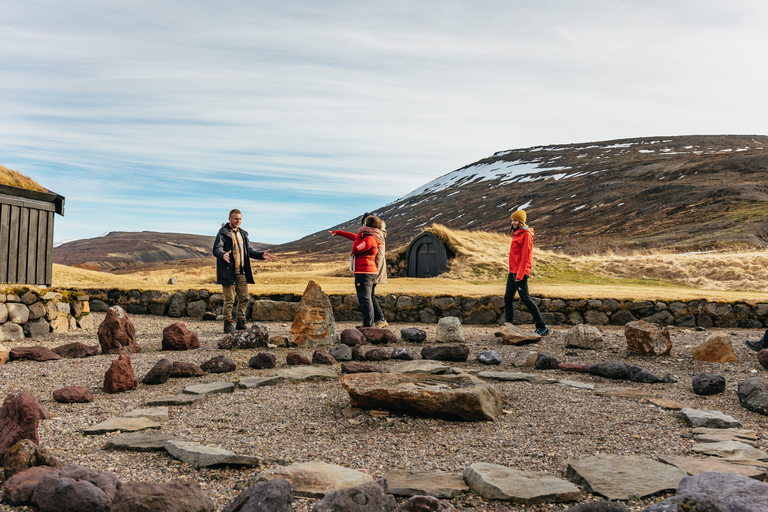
<point x="28" y="314"/>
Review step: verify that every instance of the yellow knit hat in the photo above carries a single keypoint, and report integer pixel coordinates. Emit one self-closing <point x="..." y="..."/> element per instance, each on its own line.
<point x="519" y="215"/>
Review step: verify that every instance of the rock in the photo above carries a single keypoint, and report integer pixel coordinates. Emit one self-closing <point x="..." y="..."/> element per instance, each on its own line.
<point x="358" y="353"/>
<point x="159" y="374"/>
<point x="439" y="484"/>
<point x="489" y="357"/>
<point x="36" y="353"/>
<point x="708" y="383"/>
<point x="708" y="418"/>
<point x="10" y="332"/>
<point x="402" y="353"/>
<point x="316" y="479"/>
<point x="177" y="337"/>
<point x="175" y="496"/>
<point x="647" y="339"/>
<point x="219" y="364"/>
<point x="254" y="337"/>
<point x="257" y="382"/>
<point x="732" y="451"/>
<point x="18" y="489"/>
<point x="181" y="369"/>
<point x="716" y="492"/>
<point x="584" y="336"/>
<point x="314" y="323"/>
<point x="495" y="482"/>
<point x="75" y="489"/>
<point x="36" y="328"/>
<point x="322" y="357"/>
<point x="119" y="376"/>
<point x="449" y="330"/>
<point x="457" y="353"/>
<point x="177" y="305"/>
<point x="17" y="313"/>
<point x="60" y="324"/>
<point x="639" y="374"/>
<point x="633" y="394"/>
<point x="274" y="495"/>
<point x="274" y="310"/>
<point x="377" y="354"/>
<point x="297" y="359"/>
<point x="367" y="497"/>
<point x="76" y="350"/>
<point x="525" y="359"/>
<point x="623" y="477"/>
<point x="753" y="395"/>
<point x="616" y="370"/>
<point x="361" y="368"/>
<point x="513" y="335"/>
<point x="352" y="337"/>
<point x="341" y="352"/>
<point x="121" y="424"/>
<point x="507" y="376"/>
<point x="138" y="442"/>
<point x="201" y="456"/>
<point x="174" y="400"/>
<point x="197" y="308"/>
<point x="116" y="333"/>
<point x="546" y="362"/>
<point x="697" y="466"/>
<point x="4" y="352"/>
<point x="307" y="374"/>
<point x="574" y="368"/>
<point x="598" y="506"/>
<point x="425" y="504"/>
<point x="717" y="348"/>
<point x="210" y="388"/>
<point x="574" y="384"/>
<point x="762" y="358"/>
<point x="421" y="366"/>
<point x="413" y="334"/>
<point x="19" y="420"/>
<point x="85" y="323"/>
<point x="73" y="395"/>
<point x="442" y="396"/>
<point x="24" y="455"/>
<point x="263" y="360"/>
<point x="377" y="336"/>
<point x="151" y="413"/>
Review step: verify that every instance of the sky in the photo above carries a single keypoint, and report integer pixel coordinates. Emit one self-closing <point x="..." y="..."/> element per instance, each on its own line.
<point x="164" y="115"/>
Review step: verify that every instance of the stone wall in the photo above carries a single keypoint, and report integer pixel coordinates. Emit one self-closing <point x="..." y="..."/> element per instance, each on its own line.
<point x="31" y="314"/>
<point x="471" y="310"/>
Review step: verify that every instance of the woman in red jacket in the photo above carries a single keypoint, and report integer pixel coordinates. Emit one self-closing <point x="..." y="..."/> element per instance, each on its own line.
<point x="365" y="247"/>
<point x="520" y="257"/>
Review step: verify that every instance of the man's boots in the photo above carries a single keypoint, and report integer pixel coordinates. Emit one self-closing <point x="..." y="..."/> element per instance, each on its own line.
<point x="241" y="324"/>
<point x="229" y="326"/>
<point x="757" y="346"/>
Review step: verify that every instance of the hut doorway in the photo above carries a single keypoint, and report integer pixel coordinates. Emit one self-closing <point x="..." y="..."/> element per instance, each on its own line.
<point x="426" y="256"/>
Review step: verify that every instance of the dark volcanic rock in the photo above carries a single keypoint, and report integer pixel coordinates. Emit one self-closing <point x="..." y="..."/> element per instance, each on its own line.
<point x="297" y="359"/>
<point x="181" y="369"/>
<point x="160" y="373"/>
<point x="36" y="353"/>
<point x="639" y="374"/>
<point x="274" y="495"/>
<point x="352" y="337"/>
<point x="73" y="395"/>
<point x="378" y="354"/>
<point x="708" y="383"/>
<point x="75" y="489"/>
<point x="546" y="362"/>
<point x="617" y="370"/>
<point x="753" y="395"/>
<point x="368" y="497"/>
<point x="19" y="419"/>
<point x="341" y="352"/>
<point x="491" y="357"/>
<point x="76" y="350"/>
<point x="322" y="357"/>
<point x="402" y="353"/>
<point x="377" y="336"/>
<point x="263" y="360"/>
<point x="18" y="489"/>
<point x="457" y="353"/>
<point x="361" y="368"/>
<point x="413" y="334"/>
<point x="219" y="364"/>
<point x="254" y="337"/>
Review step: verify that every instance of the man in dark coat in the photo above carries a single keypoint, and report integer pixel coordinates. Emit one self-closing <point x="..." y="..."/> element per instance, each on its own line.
<point x="233" y="268"/>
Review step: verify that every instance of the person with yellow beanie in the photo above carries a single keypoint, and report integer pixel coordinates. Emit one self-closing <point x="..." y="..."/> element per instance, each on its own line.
<point x="520" y="259"/>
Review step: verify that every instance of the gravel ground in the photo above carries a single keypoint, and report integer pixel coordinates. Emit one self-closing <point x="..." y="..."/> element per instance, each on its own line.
<point x="545" y="426"/>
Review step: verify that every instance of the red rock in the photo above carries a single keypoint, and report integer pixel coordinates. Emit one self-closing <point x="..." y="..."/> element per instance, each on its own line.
<point x="175" y="496"/>
<point x="19" y="419"/>
<point x="76" y="350"/>
<point x="263" y="360"/>
<point x="181" y="370"/>
<point x="116" y="333"/>
<point x="762" y="358"/>
<point x="358" y="353"/>
<point x="361" y="368"/>
<point x="296" y="359"/>
<point x="34" y="353"/>
<point x="575" y="368"/>
<point x="322" y="357"/>
<point x="73" y="395"/>
<point x="120" y="377"/>
<point x="647" y="339"/>
<point x="352" y="337"/>
<point x="177" y="337"/>
<point x="378" y="336"/>
<point x="18" y="489"/>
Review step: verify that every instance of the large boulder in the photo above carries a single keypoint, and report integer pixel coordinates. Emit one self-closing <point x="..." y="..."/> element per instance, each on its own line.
<point x="10" y="332"/>
<point x="74" y="488"/>
<point x="175" y="496"/>
<point x="116" y="333"/>
<point x="314" y="323"/>
<point x="647" y="339"/>
<point x="19" y="419"/>
<point x="119" y="377"/>
<point x="717" y="348"/>
<point x="454" y="397"/>
<point x="177" y="337"/>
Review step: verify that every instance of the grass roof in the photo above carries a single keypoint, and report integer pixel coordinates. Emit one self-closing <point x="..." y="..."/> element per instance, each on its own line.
<point x="16" y="179"/>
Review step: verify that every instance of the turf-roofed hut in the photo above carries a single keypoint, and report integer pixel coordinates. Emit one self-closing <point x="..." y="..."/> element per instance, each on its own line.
<point x="26" y="229"/>
<point x="426" y="256"/>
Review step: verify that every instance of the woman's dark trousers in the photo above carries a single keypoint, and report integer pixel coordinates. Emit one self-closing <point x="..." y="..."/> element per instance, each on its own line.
<point x="521" y="287"/>
<point x="365" y="288"/>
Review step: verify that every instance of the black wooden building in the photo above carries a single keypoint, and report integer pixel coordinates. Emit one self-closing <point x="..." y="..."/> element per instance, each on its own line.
<point x="426" y="256"/>
<point x="26" y="235"/>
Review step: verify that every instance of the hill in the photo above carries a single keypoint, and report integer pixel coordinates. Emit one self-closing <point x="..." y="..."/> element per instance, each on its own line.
<point x="685" y="193"/>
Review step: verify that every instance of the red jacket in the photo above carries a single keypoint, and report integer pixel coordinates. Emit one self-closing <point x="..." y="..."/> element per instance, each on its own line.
<point x="520" y="252"/>
<point x="364" y="249"/>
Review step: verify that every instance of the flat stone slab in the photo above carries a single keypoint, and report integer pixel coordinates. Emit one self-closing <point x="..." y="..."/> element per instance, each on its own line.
<point x="139" y="442"/>
<point x="210" y="388"/>
<point x="731" y="451"/>
<point x="257" y="382"/>
<point x="575" y="384"/>
<point x="624" y="477"/>
<point x="719" y="438"/>
<point x="507" y="376"/>
<point x="122" y="424"/>
<point x="513" y="335"/>
<point x="708" y="418"/>
<point x="440" y="484"/>
<point x="697" y="466"/>
<point x="151" y="413"/>
<point x="175" y="400"/>
<point x="495" y="482"/>
<point x="634" y="394"/>
<point x="201" y="456"/>
<point x="735" y="433"/>
<point x="666" y="404"/>
<point x="421" y="366"/>
<point x="316" y="479"/>
<point x="307" y="374"/>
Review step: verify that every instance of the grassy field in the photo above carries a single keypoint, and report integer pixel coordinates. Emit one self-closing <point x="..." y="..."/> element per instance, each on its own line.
<point x="479" y="268"/>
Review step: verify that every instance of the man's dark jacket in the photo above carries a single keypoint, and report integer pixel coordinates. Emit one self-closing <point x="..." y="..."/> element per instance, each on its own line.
<point x="225" y="272"/>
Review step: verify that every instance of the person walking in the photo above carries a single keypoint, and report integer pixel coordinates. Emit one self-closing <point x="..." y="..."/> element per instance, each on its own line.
<point x="520" y="259"/>
<point x="759" y="345"/>
<point x="233" y="268"/>
<point x="368" y="263"/>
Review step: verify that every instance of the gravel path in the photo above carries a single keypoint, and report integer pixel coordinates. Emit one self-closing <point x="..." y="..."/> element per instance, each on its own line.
<point x="545" y="426"/>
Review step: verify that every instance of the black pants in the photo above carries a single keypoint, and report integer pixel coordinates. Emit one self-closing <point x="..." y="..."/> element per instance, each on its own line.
<point x="366" y="290"/>
<point x="521" y="287"/>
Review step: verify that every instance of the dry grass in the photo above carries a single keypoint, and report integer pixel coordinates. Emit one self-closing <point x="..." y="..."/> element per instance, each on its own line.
<point x="479" y="268"/>
<point x="16" y="179"/>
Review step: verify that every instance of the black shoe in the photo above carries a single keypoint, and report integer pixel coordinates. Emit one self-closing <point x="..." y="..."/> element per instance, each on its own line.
<point x="542" y="331"/>
<point x="229" y="326"/>
<point x="241" y="325"/>
<point x="757" y="346"/>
